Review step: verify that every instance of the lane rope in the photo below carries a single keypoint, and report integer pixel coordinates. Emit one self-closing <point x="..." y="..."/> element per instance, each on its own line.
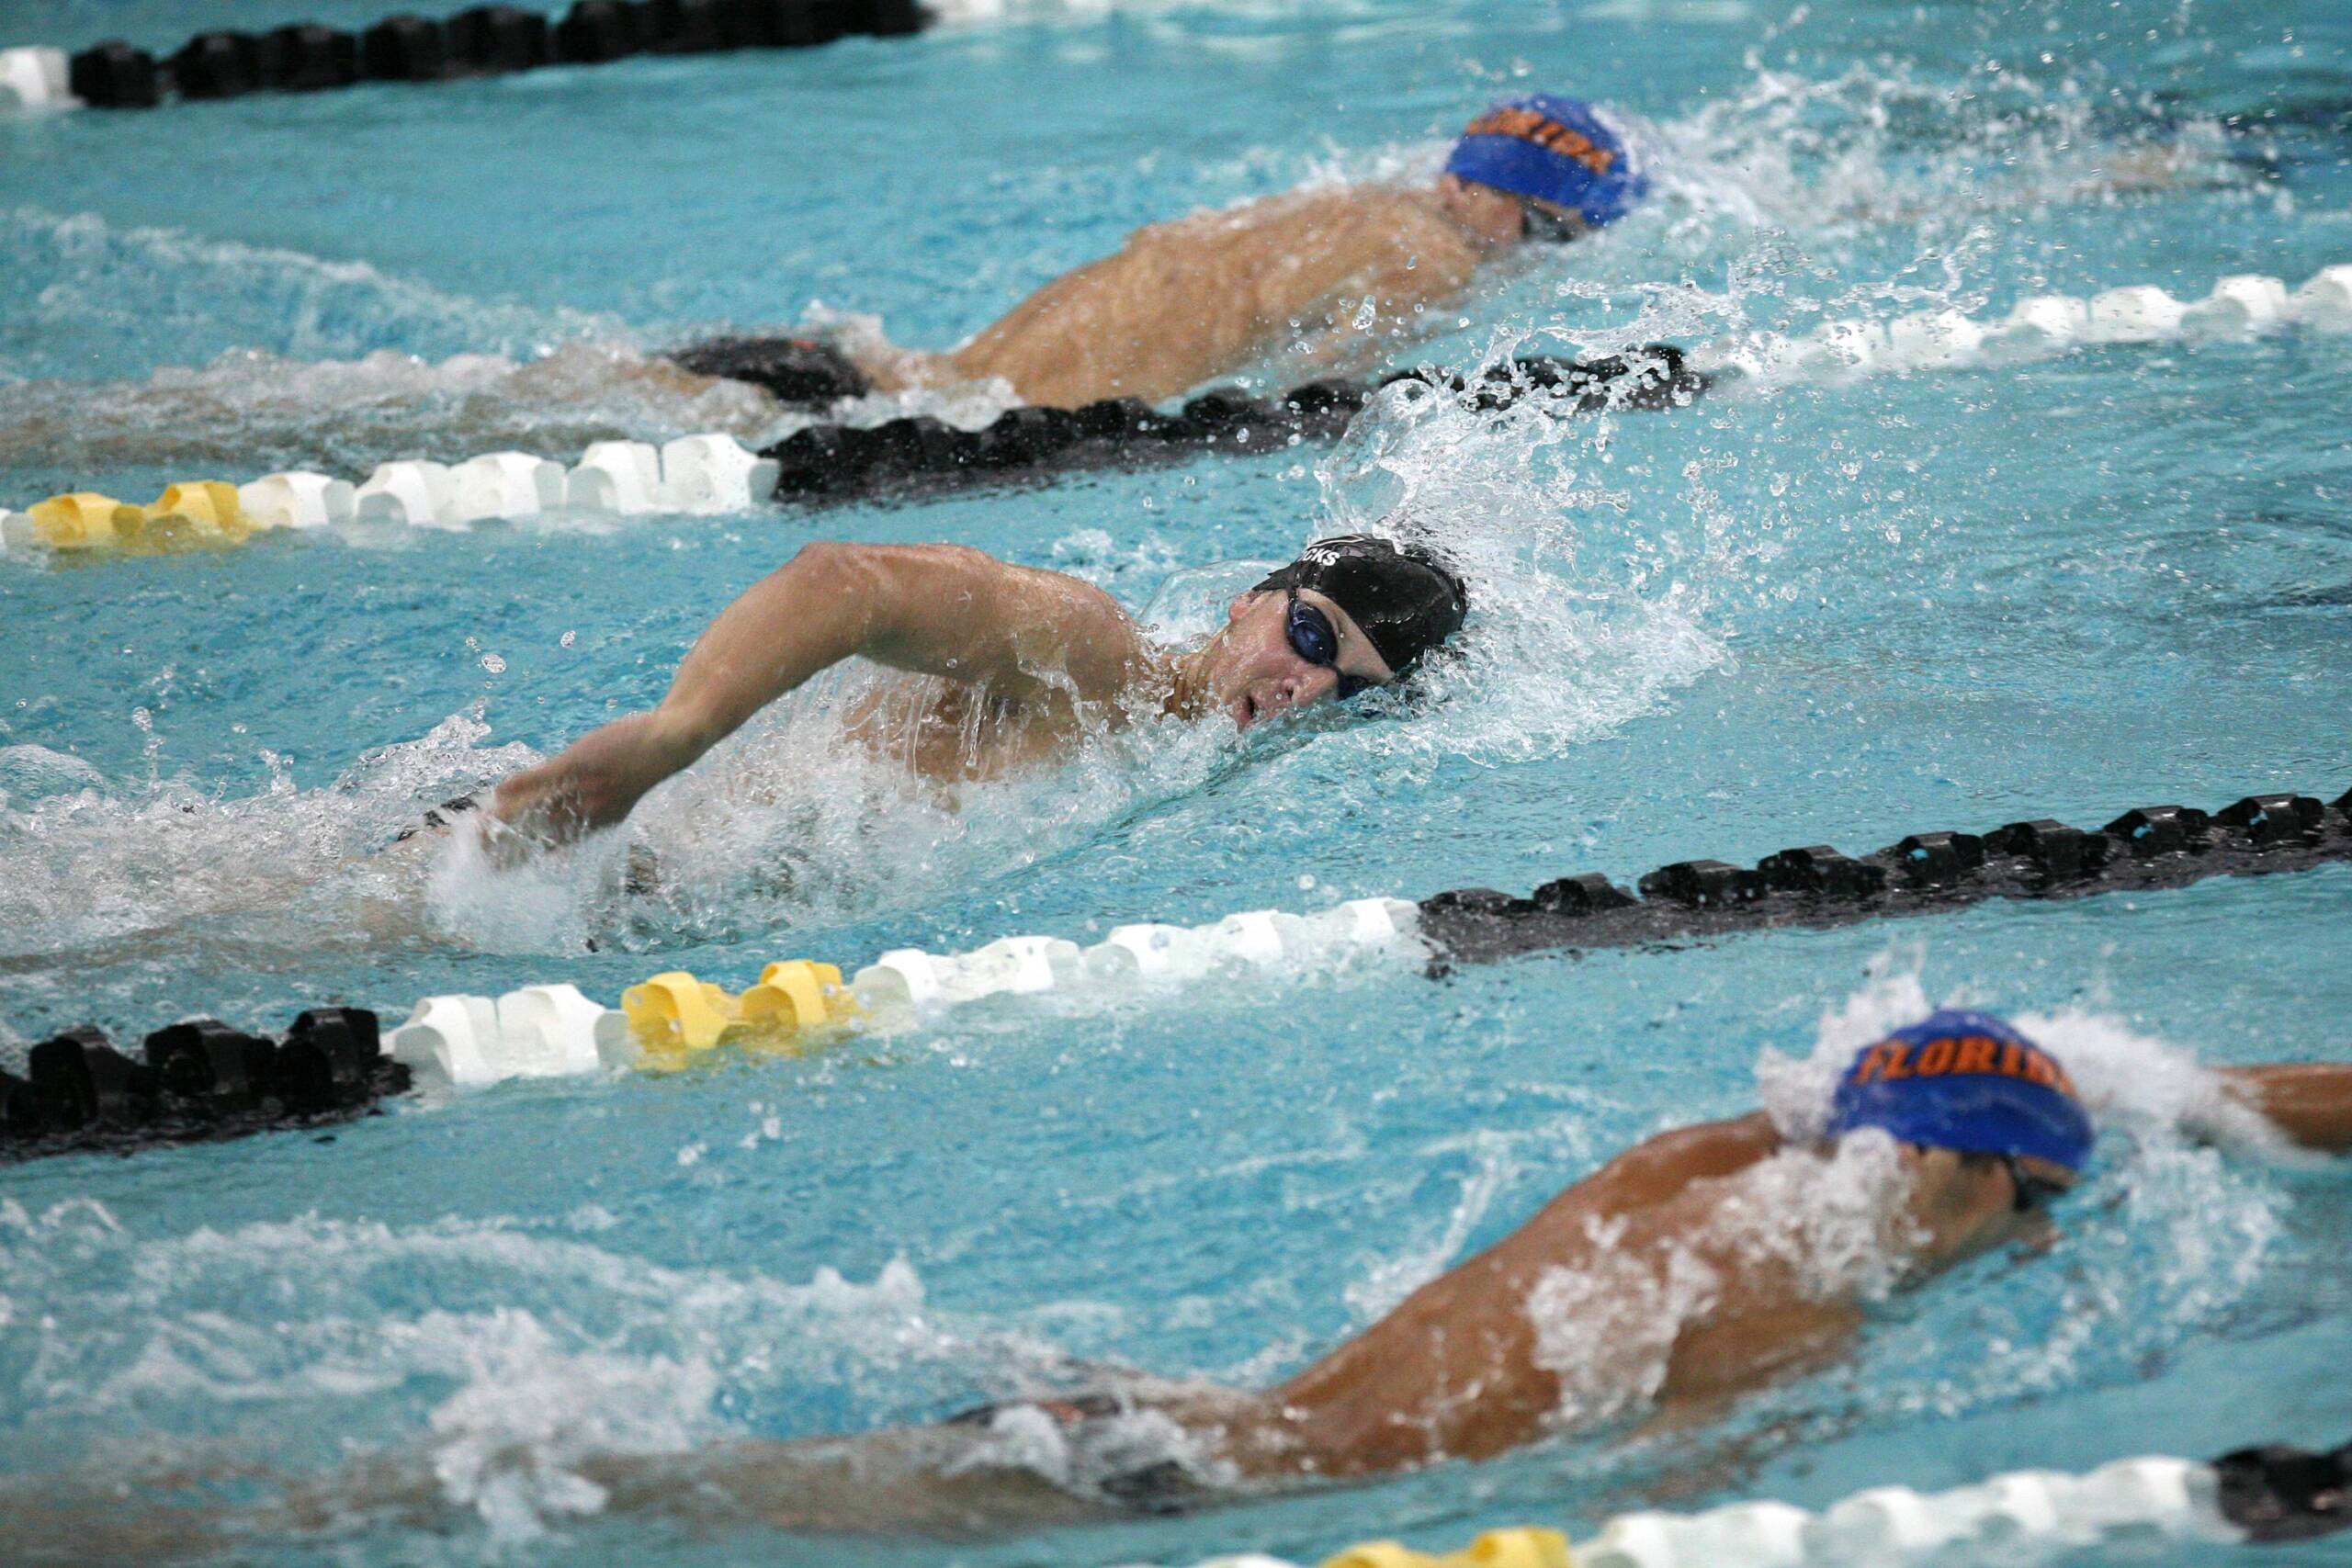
<point x="919" y="456"/>
<point x="676" y="1019"/>
<point x="707" y="475"/>
<point x="2254" y="1496"/>
<point x="485" y="40"/>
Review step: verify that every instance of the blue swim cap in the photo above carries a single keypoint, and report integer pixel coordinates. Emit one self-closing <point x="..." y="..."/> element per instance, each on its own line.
<point x="1966" y="1082"/>
<point x="1555" y="149"/>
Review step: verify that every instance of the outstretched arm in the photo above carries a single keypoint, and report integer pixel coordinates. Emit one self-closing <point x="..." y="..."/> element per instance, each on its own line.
<point x="932" y="609"/>
<point x="2310" y="1101"/>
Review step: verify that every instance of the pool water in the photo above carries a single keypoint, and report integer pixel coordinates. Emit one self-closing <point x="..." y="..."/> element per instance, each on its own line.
<point x="1826" y="613"/>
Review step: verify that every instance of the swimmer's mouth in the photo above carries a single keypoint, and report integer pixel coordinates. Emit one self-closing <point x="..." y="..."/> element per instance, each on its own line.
<point x="1249" y="715"/>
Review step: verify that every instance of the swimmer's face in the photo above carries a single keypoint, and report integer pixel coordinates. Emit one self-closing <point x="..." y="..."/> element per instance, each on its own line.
<point x="1497" y="217"/>
<point x="1254" y="673"/>
<point x="1970" y="1202"/>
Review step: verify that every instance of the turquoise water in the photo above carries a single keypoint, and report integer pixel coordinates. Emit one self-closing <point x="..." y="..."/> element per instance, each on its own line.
<point x="1833" y="613"/>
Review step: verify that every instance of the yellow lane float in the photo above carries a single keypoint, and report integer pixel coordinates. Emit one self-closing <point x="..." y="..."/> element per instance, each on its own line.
<point x="192" y="515"/>
<point x="1517" y="1548"/>
<point x="676" y="1017"/>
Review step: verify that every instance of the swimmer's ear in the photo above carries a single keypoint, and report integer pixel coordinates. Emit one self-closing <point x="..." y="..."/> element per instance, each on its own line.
<point x="1241" y="601"/>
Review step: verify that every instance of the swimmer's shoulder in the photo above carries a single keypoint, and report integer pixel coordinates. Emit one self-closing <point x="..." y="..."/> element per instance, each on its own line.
<point x="1282" y="215"/>
<point x="1392" y="237"/>
<point x="1671" y="1160"/>
<point x="1064" y="624"/>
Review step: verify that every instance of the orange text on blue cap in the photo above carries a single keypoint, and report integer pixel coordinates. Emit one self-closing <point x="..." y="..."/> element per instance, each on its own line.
<point x="1526" y="124"/>
<point x="1956" y="1055"/>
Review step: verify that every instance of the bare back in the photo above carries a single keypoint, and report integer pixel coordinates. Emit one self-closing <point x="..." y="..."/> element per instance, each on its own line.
<point x="1454" y="1370"/>
<point x="1186" y="300"/>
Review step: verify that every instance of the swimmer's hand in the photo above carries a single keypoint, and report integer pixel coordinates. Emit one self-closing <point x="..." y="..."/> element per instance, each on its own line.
<point x="592" y="784"/>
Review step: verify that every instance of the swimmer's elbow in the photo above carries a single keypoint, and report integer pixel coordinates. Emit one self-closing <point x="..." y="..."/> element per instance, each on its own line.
<point x="852" y="588"/>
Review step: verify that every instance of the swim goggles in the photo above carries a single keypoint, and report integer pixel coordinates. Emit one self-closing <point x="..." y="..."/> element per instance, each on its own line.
<point x="2032" y="1191"/>
<point x="1536" y="222"/>
<point x="1313" y="639"/>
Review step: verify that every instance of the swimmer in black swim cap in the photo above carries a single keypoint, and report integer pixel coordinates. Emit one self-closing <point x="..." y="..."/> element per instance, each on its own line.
<point x="1022" y="665"/>
<point x="1404" y="600"/>
<point x="1364" y="610"/>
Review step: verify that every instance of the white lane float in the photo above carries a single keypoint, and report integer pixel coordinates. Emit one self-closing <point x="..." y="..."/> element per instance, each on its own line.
<point x="713" y="474"/>
<point x="297" y="500"/>
<point x="1268" y="941"/>
<point x="464" y="1041"/>
<point x="510" y="485"/>
<point x="409" y="492"/>
<point x="34" y="79"/>
<point x="620" y="478"/>
<point x="2022" y="1516"/>
<point x="2138" y="314"/>
<point x="2040" y="326"/>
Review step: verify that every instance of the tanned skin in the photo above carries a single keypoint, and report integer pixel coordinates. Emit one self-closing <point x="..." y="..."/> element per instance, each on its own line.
<point x="1040" y="658"/>
<point x="1317" y="281"/>
<point x="1451" y="1373"/>
<point x="1184" y="301"/>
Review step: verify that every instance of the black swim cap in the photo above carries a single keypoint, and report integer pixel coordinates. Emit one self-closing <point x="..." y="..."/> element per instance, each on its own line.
<point x="1407" y="601"/>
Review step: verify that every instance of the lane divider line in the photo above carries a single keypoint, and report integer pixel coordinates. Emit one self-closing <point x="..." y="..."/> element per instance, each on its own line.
<point x="2026" y="1514"/>
<point x="676" y="1019"/>
<point x="485" y="40"/>
<point x="705" y="475"/>
<point x="713" y="474"/>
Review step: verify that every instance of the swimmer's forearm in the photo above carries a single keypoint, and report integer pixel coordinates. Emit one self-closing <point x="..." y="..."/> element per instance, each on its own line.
<point x="595" y="781"/>
<point x="811" y="613"/>
<point x="2310" y="1102"/>
<point x="930" y="609"/>
<point x="827" y="603"/>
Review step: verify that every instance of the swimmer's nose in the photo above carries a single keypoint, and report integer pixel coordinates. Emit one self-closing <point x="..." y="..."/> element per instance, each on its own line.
<point x="1307" y="687"/>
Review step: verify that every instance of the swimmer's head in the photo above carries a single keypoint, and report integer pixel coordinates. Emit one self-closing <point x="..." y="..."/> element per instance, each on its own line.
<point x="1350" y="613"/>
<point x="1968" y="1082"/>
<point x="1564" y="167"/>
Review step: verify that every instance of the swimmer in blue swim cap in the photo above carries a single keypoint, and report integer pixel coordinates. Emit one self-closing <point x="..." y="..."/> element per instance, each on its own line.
<point x="1706" y="1263"/>
<point x="1569" y="170"/>
<point x="1969" y="1083"/>
<point x="1311" y="282"/>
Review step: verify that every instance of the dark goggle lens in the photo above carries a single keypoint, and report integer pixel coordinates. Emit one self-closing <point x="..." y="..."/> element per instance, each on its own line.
<point x="1535" y="223"/>
<point x="1314" y="639"/>
<point x="2032" y="1191"/>
<point x="1312" y="636"/>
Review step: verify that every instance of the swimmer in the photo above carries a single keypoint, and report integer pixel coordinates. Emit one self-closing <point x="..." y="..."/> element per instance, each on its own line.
<point x="1321" y="278"/>
<point x="1707" y="1263"/>
<point x="1027" y="663"/>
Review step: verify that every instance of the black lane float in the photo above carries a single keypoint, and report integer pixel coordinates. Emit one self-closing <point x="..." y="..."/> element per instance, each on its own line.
<point x="922" y="456"/>
<point x="199" y="1081"/>
<point x="2150" y="847"/>
<point x="486" y="40"/>
<point x="2276" y="1492"/>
